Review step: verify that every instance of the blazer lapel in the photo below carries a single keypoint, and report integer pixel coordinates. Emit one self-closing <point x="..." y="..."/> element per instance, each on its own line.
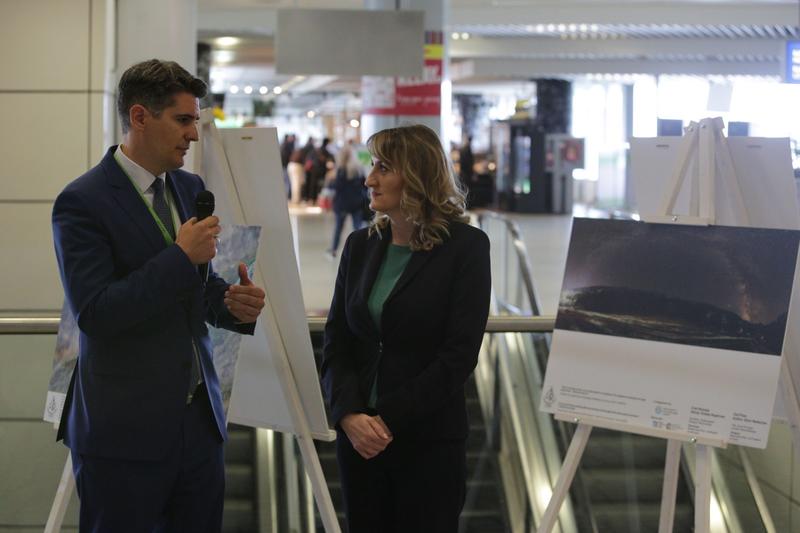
<point x="125" y="194"/>
<point x="373" y="257"/>
<point x="415" y="264"/>
<point x="376" y="250"/>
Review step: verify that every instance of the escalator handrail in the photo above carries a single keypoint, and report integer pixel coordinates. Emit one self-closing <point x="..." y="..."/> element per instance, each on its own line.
<point x="522" y="257"/>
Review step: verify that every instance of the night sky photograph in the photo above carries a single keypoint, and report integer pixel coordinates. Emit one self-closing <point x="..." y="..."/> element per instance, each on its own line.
<point x="714" y="286"/>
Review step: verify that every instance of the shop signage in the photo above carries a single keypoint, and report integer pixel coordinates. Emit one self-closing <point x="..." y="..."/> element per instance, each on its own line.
<point x="792" y="74"/>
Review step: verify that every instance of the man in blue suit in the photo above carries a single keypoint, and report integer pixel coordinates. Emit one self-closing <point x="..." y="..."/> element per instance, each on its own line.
<point x="143" y="417"/>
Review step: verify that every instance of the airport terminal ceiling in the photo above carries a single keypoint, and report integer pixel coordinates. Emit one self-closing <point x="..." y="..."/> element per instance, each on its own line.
<point x="499" y="43"/>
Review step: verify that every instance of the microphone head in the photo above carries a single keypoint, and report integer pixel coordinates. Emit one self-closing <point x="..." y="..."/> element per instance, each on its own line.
<point x="204" y="204"/>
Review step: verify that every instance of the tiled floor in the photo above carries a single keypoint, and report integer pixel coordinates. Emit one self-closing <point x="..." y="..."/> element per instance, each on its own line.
<point x="546" y="238"/>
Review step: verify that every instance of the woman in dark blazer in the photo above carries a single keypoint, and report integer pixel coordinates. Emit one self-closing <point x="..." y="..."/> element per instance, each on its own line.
<point x="403" y="334"/>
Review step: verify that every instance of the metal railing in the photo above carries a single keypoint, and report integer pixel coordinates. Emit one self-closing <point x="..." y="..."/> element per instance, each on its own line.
<point x="283" y="495"/>
<point x="28" y="325"/>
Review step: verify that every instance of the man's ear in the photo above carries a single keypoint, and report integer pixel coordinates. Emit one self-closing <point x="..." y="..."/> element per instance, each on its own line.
<point x="137" y="115"/>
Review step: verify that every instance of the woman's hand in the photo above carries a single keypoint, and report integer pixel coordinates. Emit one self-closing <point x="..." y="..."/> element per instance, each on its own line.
<point x="368" y="434"/>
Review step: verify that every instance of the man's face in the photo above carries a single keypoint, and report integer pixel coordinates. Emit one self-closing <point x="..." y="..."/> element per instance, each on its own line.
<point x="169" y="134"/>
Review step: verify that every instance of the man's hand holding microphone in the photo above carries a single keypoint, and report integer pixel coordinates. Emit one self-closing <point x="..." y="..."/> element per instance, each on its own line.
<point x="198" y="240"/>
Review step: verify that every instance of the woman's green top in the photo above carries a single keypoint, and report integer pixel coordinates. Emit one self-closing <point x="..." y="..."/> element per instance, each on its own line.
<point x="394" y="262"/>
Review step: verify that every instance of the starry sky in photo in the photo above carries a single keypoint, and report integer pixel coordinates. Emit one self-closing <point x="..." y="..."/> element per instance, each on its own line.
<point x="748" y="271"/>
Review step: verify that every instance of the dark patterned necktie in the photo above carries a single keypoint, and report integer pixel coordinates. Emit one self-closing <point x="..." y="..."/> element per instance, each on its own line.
<point x="162" y="210"/>
<point x="161" y="207"/>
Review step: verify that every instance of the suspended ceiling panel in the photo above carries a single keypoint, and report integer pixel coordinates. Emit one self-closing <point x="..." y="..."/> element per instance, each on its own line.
<point x="524" y="39"/>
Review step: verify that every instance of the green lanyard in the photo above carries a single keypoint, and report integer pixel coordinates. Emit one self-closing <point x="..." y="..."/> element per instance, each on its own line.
<point x="167" y="237"/>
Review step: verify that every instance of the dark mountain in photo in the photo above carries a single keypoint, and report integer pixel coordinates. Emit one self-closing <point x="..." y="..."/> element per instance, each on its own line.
<point x="646" y="315"/>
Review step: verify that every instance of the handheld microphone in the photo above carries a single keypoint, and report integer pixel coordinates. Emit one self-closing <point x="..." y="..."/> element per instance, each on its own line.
<point x="203" y="208"/>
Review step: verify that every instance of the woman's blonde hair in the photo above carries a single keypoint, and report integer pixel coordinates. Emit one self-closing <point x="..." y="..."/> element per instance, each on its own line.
<point x="432" y="197"/>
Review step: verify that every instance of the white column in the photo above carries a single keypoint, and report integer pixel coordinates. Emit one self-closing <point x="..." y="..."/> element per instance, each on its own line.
<point x="52" y="94"/>
<point x="161" y="29"/>
<point x="435" y="20"/>
<point x="155" y="29"/>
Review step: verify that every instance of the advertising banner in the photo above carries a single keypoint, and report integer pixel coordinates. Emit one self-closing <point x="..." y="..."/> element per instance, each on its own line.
<point x="792" y="74"/>
<point x="413" y="96"/>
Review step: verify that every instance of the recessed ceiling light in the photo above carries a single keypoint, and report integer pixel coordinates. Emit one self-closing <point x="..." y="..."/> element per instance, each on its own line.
<point x="551" y="27"/>
<point x="465" y="36"/>
<point x="354" y="123"/>
<point x="562" y="28"/>
<point x="277" y="90"/>
<point x="227" y="41"/>
<point x="248" y="89"/>
<point x="455" y="35"/>
<point x="311" y="113"/>
<point x="263" y="89"/>
<point x="234" y="89"/>
<point x="223" y="56"/>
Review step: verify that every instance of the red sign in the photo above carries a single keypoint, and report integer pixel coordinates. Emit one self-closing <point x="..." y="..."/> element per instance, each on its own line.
<point x="412" y="96"/>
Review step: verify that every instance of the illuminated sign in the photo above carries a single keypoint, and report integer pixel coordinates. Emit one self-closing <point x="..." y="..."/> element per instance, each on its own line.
<point x="792" y="62"/>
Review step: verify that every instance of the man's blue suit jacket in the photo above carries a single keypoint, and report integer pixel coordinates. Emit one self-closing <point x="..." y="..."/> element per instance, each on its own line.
<point x="141" y="308"/>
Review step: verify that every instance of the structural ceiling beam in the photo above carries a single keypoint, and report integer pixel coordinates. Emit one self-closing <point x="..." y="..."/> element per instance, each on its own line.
<point x="503" y="12"/>
<point x="535" y="68"/>
<point x="520" y="47"/>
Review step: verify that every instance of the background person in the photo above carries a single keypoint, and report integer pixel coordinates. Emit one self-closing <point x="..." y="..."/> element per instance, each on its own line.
<point x="287" y="147"/>
<point x="297" y="171"/>
<point x="406" y="322"/>
<point x="466" y="162"/>
<point x="348" y="195"/>
<point x="143" y="416"/>
<point x="317" y="164"/>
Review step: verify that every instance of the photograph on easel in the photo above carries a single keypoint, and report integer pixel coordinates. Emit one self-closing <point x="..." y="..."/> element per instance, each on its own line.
<point x="675" y="331"/>
<point x="718" y="287"/>
<point x="237" y="243"/>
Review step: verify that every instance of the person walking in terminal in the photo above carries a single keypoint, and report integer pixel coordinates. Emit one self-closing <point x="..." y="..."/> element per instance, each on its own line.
<point x="349" y="195"/>
<point x="143" y="416"/>
<point x="404" y="329"/>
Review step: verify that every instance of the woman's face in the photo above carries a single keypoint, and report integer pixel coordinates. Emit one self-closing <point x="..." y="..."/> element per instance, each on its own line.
<point x="385" y="189"/>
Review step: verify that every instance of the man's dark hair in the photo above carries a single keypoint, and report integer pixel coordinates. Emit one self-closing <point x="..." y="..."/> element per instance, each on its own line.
<point x="154" y="84"/>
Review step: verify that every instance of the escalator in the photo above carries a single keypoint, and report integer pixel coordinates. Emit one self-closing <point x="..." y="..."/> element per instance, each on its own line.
<point x="241" y="502"/>
<point x="484" y="508"/>
<point x="623" y="474"/>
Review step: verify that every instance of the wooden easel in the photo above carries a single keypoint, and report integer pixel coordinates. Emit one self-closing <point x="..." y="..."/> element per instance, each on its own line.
<point x="703" y="142"/>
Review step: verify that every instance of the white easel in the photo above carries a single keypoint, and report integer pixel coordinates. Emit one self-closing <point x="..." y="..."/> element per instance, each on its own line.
<point x="300" y="423"/>
<point x="705" y="141"/>
<point x="66" y="486"/>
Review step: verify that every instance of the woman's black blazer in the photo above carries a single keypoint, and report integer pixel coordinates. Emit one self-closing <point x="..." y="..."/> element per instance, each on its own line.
<point x="431" y="331"/>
